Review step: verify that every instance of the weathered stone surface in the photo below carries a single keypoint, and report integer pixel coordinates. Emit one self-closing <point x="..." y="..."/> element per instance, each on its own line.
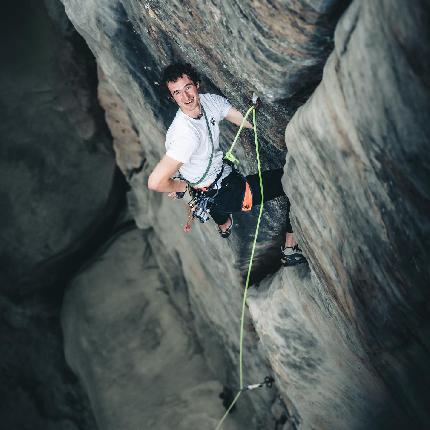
<point x="131" y="50"/>
<point x="58" y="194"/>
<point x="348" y="343"/>
<point x="279" y="45"/>
<point x="38" y="391"/>
<point x="239" y="47"/>
<point x="57" y="170"/>
<point x="358" y="176"/>
<point x="134" y="352"/>
<point x="325" y="382"/>
<point x="126" y="143"/>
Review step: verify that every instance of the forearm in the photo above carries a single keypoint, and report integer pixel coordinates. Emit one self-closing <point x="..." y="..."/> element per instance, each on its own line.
<point x="161" y="177"/>
<point x="236" y="117"/>
<point x="168" y="186"/>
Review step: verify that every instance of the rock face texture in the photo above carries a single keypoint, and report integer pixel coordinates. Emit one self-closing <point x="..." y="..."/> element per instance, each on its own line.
<point x="135" y="352"/>
<point x="330" y="384"/>
<point x="59" y="192"/>
<point x="38" y="390"/>
<point x="360" y="146"/>
<point x="346" y="338"/>
<point x="132" y="41"/>
<point x="58" y="184"/>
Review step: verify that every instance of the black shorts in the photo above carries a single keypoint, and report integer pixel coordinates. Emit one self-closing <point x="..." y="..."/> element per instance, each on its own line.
<point x="229" y="198"/>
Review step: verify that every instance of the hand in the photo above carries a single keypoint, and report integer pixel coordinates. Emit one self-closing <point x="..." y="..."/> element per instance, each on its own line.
<point x="176" y="195"/>
<point x="181" y="187"/>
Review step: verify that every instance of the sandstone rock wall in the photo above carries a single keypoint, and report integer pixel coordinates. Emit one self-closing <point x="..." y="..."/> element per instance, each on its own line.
<point x="360" y="147"/>
<point x="140" y="362"/>
<point x="58" y="183"/>
<point x="347" y="340"/>
<point x="132" y="41"/>
<point x="60" y="191"/>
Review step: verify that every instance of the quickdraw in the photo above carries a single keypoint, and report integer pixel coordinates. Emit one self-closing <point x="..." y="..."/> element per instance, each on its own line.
<point x="268" y="382"/>
<point x="200" y="206"/>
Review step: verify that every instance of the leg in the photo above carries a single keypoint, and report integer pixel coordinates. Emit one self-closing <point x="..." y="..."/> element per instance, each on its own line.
<point x="225" y="229"/>
<point x="290" y="241"/>
<point x="224" y="222"/>
<point x="272" y="188"/>
<point x="228" y="200"/>
<point x="220" y="218"/>
<point x="272" y="185"/>
<point x="291" y="254"/>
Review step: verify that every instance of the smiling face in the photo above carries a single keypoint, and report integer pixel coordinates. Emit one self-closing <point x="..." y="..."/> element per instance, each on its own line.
<point x="185" y="93"/>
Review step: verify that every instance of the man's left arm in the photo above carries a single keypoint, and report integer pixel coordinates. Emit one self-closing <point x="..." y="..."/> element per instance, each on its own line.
<point x="161" y="177"/>
<point x="236" y="117"/>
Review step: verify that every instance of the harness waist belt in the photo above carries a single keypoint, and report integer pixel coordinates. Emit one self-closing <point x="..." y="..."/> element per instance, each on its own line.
<point x="209" y="187"/>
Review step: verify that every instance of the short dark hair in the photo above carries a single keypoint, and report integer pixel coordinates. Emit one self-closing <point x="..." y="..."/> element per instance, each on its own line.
<point x="175" y="71"/>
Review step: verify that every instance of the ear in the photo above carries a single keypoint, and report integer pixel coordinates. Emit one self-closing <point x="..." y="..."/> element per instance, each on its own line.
<point x="198" y="85"/>
<point x="169" y="96"/>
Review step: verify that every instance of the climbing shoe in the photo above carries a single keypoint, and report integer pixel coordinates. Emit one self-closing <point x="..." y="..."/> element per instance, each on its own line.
<point x="291" y="256"/>
<point x="226" y="233"/>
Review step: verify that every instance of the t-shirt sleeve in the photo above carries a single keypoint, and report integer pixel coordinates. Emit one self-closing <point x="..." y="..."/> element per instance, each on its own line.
<point x="221" y="106"/>
<point x="181" y="147"/>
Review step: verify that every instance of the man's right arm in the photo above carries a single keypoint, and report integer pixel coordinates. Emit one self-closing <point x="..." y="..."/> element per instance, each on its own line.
<point x="161" y="177"/>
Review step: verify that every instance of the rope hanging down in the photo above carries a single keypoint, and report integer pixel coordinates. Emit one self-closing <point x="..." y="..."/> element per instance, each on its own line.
<point x="229" y="156"/>
<point x="193" y="184"/>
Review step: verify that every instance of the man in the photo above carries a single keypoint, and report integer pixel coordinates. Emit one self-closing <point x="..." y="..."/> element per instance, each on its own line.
<point x="192" y="148"/>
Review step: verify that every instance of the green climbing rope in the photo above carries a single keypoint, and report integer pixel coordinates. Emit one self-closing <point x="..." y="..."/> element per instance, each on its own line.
<point x="242" y="318"/>
<point x="229" y="154"/>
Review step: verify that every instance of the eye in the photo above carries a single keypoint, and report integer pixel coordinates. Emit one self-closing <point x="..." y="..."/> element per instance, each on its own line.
<point x="188" y="87"/>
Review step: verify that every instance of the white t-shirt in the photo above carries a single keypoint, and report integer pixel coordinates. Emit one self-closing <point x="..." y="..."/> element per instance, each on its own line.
<point x="188" y="141"/>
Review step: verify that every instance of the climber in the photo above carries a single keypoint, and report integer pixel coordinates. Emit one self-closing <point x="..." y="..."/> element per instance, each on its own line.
<point x="192" y="148"/>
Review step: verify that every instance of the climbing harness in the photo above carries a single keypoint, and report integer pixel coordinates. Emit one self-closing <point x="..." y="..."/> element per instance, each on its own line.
<point x="200" y="206"/>
<point x="268" y="380"/>
<point x="201" y="202"/>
